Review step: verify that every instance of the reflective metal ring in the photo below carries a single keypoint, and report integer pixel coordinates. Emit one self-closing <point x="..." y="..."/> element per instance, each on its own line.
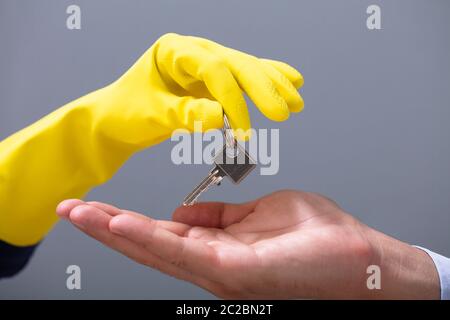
<point x="228" y="133"/>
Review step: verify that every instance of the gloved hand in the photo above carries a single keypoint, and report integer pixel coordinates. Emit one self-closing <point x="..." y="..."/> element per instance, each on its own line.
<point x="179" y="80"/>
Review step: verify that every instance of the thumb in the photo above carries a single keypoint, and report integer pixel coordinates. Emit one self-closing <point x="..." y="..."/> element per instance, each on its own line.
<point x="213" y="214"/>
<point x="198" y="114"/>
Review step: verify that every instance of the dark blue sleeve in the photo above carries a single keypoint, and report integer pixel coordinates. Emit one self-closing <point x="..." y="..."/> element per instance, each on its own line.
<point x="13" y="258"/>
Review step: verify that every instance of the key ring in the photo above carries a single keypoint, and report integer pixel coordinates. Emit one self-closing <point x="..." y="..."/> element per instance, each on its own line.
<point x="230" y="141"/>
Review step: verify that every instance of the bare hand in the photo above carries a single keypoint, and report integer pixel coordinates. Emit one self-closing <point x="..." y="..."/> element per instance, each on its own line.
<point x="288" y="244"/>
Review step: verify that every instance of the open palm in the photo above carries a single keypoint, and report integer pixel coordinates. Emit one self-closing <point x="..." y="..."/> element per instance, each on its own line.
<point x="288" y="244"/>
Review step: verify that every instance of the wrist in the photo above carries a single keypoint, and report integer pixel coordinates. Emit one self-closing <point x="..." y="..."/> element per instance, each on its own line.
<point x="407" y="272"/>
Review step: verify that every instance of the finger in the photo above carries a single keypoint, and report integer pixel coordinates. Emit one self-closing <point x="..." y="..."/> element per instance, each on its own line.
<point x="189" y="254"/>
<point x="289" y="72"/>
<point x="175" y="227"/>
<point x="284" y="87"/>
<point x="105" y="207"/>
<point x="187" y="63"/>
<point x="213" y="214"/>
<point x="259" y="87"/>
<point x="224" y="87"/>
<point x="64" y="207"/>
<point x="251" y="78"/>
<point x="95" y="223"/>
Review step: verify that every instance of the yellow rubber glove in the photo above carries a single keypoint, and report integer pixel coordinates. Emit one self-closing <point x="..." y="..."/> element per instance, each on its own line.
<point x="179" y="80"/>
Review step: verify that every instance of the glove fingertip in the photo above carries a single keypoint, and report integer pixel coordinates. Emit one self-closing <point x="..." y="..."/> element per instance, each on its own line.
<point x="298" y="106"/>
<point x="242" y="135"/>
<point x="294" y="76"/>
<point x="298" y="81"/>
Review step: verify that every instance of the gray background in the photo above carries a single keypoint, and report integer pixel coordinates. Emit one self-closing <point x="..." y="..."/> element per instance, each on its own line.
<point x="374" y="134"/>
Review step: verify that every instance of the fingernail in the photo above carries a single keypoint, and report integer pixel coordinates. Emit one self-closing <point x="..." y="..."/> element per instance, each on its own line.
<point x="64" y="207"/>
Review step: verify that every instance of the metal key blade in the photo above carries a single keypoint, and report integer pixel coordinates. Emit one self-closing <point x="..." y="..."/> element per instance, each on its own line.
<point x="213" y="178"/>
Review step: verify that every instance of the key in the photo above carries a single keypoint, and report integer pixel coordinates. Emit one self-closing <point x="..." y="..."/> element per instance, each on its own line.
<point x="234" y="163"/>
